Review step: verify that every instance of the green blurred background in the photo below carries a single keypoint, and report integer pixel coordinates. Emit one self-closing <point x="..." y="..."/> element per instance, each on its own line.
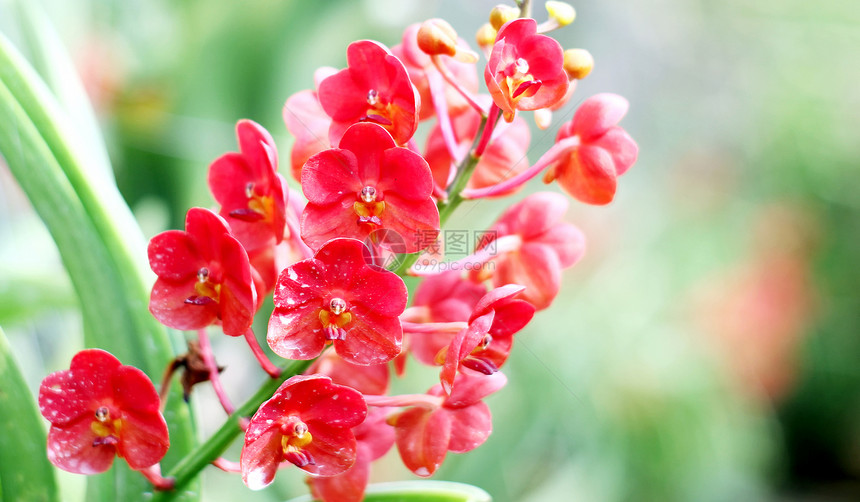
<point x="707" y="348"/>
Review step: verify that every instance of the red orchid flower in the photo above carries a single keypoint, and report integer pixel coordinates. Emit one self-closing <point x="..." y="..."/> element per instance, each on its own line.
<point x="525" y="70"/>
<point x="367" y="184"/>
<point x="373" y="439"/>
<point x="504" y="158"/>
<point x="459" y="422"/>
<point x="375" y="87"/>
<point x="247" y="185"/>
<point x="605" y="151"/>
<point x="308" y="423"/>
<point x="308" y="123"/>
<point x="442" y="298"/>
<point x="421" y="70"/>
<point x="484" y="346"/>
<point x="203" y="276"/>
<point x="336" y="297"/>
<point x="99" y="409"/>
<point x="532" y="245"/>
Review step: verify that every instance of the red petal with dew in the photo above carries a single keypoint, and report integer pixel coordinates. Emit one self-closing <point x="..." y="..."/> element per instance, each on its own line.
<point x="330" y="176"/>
<point x="66" y="395"/>
<point x="70" y="447"/>
<point x="167" y="304"/>
<point x="174" y="255"/>
<point x="370" y="338"/>
<point x="261" y="454"/>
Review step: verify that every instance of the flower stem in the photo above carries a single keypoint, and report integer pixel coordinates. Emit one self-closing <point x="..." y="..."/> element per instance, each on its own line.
<point x="433" y="327"/>
<point x="209" y="359"/>
<point x="153" y="475"/>
<point x="464" y="172"/>
<point x="267" y="365"/>
<point x="437" y="62"/>
<point x="553" y="155"/>
<point x="206" y="453"/>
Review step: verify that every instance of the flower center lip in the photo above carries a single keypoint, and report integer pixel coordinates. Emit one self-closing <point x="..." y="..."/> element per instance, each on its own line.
<point x="296" y="436"/>
<point x="334" y="318"/>
<point x="208" y="292"/>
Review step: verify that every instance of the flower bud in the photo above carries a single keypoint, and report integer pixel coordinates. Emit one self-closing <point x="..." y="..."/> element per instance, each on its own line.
<point x="436" y="37"/>
<point x="578" y="63"/>
<point x="486" y="36"/>
<point x="561" y="12"/>
<point x="501" y="14"/>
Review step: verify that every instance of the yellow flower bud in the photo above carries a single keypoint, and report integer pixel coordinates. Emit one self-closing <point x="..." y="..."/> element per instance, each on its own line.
<point x="486" y="36"/>
<point x="436" y="37"/>
<point x="562" y="12"/>
<point x="501" y="14"/>
<point x="578" y="63"/>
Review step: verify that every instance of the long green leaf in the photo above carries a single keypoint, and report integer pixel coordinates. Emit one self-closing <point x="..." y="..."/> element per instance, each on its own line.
<point x="25" y="473"/>
<point x="138" y="339"/>
<point x="54" y="65"/>
<point x="99" y="241"/>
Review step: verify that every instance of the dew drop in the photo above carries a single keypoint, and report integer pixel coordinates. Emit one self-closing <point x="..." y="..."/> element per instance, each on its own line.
<point x="368" y="194"/>
<point x="102" y="414"/>
<point x="300" y="430"/>
<point x="486" y="341"/>
<point x="337" y="306"/>
<point x="522" y="66"/>
<point x="372" y="97"/>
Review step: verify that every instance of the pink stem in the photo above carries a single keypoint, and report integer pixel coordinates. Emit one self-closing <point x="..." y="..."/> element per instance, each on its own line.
<point x="423" y="400"/>
<point x="227" y="465"/>
<point x="267" y="365"/>
<point x="415" y="313"/>
<point x="550" y="157"/>
<point x="209" y="359"/>
<point x="488" y="130"/>
<point x="503" y="244"/>
<point x="153" y="475"/>
<point x="433" y="327"/>
<point x="437" y="91"/>
<point x="437" y="62"/>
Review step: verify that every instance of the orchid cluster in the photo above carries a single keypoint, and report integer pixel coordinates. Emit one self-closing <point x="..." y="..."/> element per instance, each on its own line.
<point x="371" y="211"/>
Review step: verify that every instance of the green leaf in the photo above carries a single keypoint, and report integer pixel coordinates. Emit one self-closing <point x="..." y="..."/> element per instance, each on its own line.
<point x="54" y="65"/>
<point x="419" y="491"/>
<point x="25" y="473"/>
<point x="100" y="243"/>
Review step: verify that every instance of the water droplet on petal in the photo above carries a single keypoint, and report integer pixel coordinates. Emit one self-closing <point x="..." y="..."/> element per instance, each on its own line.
<point x="103" y="414"/>
<point x="372" y="97"/>
<point x="522" y="66"/>
<point x="368" y="194"/>
<point x="337" y="306"/>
